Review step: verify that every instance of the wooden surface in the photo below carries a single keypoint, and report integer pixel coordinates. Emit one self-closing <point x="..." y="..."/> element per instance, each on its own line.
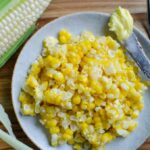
<point x="56" y="9"/>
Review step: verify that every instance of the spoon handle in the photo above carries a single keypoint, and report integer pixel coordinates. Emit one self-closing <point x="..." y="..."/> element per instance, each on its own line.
<point x="137" y="53"/>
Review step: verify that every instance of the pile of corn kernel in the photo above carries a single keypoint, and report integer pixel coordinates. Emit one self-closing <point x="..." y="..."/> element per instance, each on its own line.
<point x="84" y="89"/>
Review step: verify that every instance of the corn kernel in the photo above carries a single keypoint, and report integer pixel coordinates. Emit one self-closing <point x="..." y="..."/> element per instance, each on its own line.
<point x="25" y="98"/>
<point x="54" y="130"/>
<point x="76" y="99"/>
<point x="66" y="136"/>
<point x="86" y="45"/>
<point x="54" y="144"/>
<point x="78" y="138"/>
<point x="68" y="131"/>
<point x="98" y="102"/>
<point x="28" y="109"/>
<point x="64" y="36"/>
<point x="95" y="45"/>
<point x="102" y="95"/>
<point x="63" y="39"/>
<point x="52" y="123"/>
<point x="98" y="125"/>
<point x="102" y="113"/>
<point x="52" y="98"/>
<point x="139" y="106"/>
<point x="83" y="105"/>
<point x="71" y="141"/>
<point x="82" y="79"/>
<point x="132" y="127"/>
<point x="31" y="81"/>
<point x="97" y="119"/>
<point x="75" y="109"/>
<point x="51" y="61"/>
<point x="35" y="69"/>
<point x="110" y="42"/>
<point x="96" y="87"/>
<point x="89" y="120"/>
<point x="59" y="77"/>
<point x="84" y="126"/>
<point x="106" y="137"/>
<point x="91" y="106"/>
<point x="135" y="114"/>
<point x="77" y="147"/>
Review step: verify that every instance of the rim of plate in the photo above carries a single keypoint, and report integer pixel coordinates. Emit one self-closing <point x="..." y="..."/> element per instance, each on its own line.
<point x="51" y="22"/>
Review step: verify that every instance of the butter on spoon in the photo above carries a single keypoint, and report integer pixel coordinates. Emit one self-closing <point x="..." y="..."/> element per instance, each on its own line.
<point x="121" y="23"/>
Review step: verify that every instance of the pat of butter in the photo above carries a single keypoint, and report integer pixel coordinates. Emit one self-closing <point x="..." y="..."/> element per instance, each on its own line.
<point x="121" y="22"/>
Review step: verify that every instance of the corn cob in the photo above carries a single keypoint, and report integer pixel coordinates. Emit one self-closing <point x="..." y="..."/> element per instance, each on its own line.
<point x="17" y="22"/>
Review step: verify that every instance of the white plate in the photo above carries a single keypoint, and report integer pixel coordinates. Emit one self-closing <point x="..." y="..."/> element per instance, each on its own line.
<point x="91" y="21"/>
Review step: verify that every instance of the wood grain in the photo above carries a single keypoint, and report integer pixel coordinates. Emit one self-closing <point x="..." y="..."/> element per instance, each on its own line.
<point x="56" y="9"/>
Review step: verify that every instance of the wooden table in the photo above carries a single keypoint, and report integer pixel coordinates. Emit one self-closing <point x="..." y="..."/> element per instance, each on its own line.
<point x="56" y="9"/>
